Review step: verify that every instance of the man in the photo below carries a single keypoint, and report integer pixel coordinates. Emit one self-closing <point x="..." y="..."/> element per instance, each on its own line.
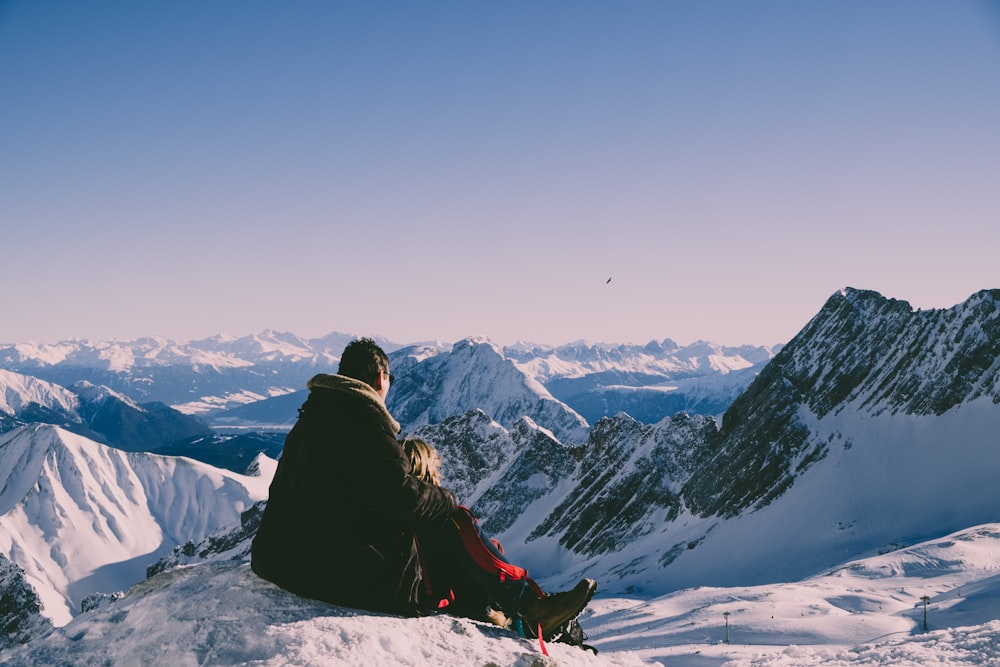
<point x="344" y="505"/>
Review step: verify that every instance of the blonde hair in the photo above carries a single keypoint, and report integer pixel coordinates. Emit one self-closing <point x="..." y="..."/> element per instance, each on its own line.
<point x="424" y="460"/>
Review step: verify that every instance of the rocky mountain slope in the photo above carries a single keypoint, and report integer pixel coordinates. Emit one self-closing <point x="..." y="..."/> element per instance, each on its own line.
<point x="845" y="444"/>
<point x="21" y="618"/>
<point x="862" y="355"/>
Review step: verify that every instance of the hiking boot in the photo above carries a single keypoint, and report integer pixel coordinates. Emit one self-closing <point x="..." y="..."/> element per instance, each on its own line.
<point x="553" y="611"/>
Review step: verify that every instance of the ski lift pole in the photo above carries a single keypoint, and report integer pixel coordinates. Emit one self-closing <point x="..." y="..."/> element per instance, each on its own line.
<point x="726" y="615"/>
<point x="926" y="599"/>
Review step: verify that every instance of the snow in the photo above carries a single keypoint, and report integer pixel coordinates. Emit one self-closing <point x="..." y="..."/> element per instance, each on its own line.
<point x="580" y="359"/>
<point x="207" y="404"/>
<point x="665" y="388"/>
<point x="221" y="614"/>
<point x="477" y="374"/>
<point x="866" y="613"/>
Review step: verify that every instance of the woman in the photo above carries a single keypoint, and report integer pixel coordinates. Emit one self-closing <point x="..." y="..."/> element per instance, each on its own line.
<point x="467" y="574"/>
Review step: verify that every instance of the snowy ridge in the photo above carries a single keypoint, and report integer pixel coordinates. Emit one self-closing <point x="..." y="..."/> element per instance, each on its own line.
<point x="80" y="517"/>
<point x="475" y="375"/>
<point x="629" y="482"/>
<point x="216" y="352"/>
<point x="198" y="376"/>
<point x="664" y="358"/>
<point x="19" y="391"/>
<point x="893" y="358"/>
<point x="474" y="450"/>
<point x="860" y="346"/>
<point x="561" y="390"/>
<point x="527" y="482"/>
<point x="97" y="394"/>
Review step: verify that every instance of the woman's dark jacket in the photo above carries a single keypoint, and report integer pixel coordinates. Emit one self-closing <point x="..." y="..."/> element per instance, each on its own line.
<point x="343" y="506"/>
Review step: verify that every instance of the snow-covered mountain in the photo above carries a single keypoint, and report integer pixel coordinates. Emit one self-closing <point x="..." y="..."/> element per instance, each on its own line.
<point x="430" y="387"/>
<point x="24" y="398"/>
<point x="817" y="513"/>
<point x="79" y="517"/>
<point x="876" y="427"/>
<point x="214" y="377"/>
<point x="500" y="473"/>
<point x="96" y="412"/>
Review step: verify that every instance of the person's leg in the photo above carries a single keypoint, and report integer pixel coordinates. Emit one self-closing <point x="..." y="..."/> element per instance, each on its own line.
<point x="460" y="560"/>
<point x="477" y="567"/>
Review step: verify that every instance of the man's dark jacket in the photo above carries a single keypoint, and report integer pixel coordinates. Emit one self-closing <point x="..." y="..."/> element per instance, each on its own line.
<point x="343" y="506"/>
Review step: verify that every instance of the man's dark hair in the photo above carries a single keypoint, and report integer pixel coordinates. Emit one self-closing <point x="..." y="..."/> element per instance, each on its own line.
<point x="363" y="360"/>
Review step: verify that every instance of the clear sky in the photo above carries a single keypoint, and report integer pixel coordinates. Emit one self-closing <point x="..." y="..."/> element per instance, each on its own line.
<point x="435" y="170"/>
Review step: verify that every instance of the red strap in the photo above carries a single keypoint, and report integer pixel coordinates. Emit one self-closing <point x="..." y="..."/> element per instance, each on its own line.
<point x="541" y="642"/>
<point x="465" y="522"/>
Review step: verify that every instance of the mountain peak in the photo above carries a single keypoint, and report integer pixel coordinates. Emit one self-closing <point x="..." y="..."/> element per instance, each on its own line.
<point x="430" y="389"/>
<point x="18" y="391"/>
<point x="96" y="393"/>
<point x="476" y="342"/>
<point x="885" y="355"/>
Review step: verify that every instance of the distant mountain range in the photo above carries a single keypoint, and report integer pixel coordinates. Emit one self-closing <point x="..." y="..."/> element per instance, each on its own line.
<point x="876" y="427"/>
<point x="197" y="376"/>
<point x="258" y="382"/>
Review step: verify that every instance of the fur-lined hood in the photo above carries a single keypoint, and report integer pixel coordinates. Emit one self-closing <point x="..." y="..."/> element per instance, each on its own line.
<point x="349" y="385"/>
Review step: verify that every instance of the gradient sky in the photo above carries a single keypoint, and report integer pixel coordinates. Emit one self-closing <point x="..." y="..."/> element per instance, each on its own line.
<point x="435" y="170"/>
